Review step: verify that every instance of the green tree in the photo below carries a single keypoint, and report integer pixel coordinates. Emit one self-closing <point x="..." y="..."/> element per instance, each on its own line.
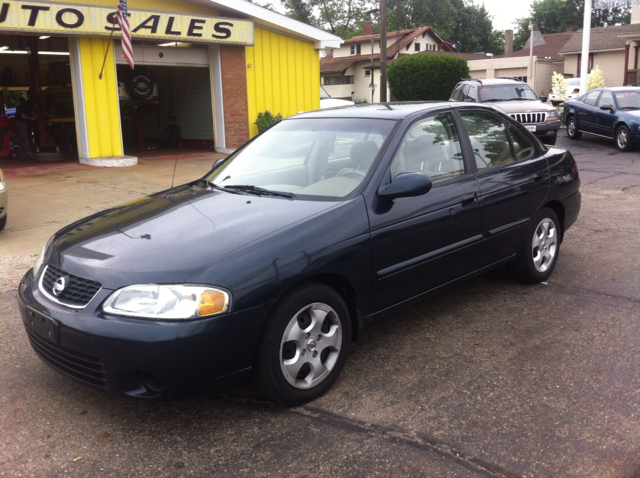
<point x="343" y="18"/>
<point x="554" y="16"/>
<point x="463" y="23"/>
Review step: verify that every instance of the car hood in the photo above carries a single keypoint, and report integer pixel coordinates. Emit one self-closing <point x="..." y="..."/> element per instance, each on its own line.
<point x="166" y="237"/>
<point x="522" y="106"/>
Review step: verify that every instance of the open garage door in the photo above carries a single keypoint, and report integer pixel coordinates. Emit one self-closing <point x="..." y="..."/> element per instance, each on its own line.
<point x="166" y="100"/>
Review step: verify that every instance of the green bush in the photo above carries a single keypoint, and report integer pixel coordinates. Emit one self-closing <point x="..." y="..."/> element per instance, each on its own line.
<point x="426" y="77"/>
<point x="266" y="119"/>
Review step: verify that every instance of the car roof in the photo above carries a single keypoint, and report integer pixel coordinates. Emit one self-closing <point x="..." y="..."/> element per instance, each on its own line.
<point x="495" y="81"/>
<point x="393" y="111"/>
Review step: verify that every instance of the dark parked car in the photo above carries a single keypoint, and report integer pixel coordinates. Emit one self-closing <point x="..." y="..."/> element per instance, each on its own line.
<point x="609" y="112"/>
<point x="273" y="261"/>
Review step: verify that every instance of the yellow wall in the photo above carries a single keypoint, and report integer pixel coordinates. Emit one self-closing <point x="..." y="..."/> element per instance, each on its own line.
<point x="100" y="98"/>
<point x="284" y="76"/>
<point x="160" y="5"/>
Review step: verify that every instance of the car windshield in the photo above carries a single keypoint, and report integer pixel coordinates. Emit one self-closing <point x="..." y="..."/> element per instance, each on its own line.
<point x="306" y="158"/>
<point x="506" y="93"/>
<point x="628" y="100"/>
<point x="323" y="94"/>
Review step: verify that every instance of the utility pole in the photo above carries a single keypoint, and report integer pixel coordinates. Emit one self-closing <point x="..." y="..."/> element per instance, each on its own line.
<point x="383" y="51"/>
<point x="530" y="78"/>
<point x="586" y="39"/>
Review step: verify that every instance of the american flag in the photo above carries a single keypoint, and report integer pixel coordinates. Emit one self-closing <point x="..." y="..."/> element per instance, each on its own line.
<point x="122" y="17"/>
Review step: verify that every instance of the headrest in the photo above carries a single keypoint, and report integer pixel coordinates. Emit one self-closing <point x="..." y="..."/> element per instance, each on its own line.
<point x="363" y="153"/>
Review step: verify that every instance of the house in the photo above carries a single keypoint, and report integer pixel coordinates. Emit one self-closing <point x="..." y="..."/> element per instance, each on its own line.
<point x="614" y="49"/>
<point x="546" y="59"/>
<point x="353" y="70"/>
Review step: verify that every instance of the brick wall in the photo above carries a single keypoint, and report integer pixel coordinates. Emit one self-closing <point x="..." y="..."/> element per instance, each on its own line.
<point x="234" y="92"/>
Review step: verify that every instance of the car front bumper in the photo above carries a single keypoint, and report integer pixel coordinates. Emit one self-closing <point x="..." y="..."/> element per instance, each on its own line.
<point x="547" y="129"/>
<point x="141" y="358"/>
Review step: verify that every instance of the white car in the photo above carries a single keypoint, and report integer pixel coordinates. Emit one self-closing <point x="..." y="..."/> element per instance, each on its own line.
<point x="4" y="201"/>
<point x="572" y="91"/>
<point x="327" y="102"/>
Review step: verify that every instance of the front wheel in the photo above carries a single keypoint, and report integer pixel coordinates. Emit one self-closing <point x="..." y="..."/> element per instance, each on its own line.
<point x="623" y="138"/>
<point x="540" y="253"/>
<point x="3" y="222"/>
<point x="304" y="344"/>
<point x="572" y="128"/>
<point x="550" y="140"/>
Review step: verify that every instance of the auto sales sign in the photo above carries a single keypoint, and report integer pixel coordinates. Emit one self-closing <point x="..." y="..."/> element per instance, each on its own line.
<point x="73" y="19"/>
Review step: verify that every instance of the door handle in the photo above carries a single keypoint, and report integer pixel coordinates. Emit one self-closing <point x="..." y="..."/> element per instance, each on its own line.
<point x="469" y="200"/>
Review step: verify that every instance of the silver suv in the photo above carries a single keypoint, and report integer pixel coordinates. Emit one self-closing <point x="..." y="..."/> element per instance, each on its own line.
<point x="516" y="99"/>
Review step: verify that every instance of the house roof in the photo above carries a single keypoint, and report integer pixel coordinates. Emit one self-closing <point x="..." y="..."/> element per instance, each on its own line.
<point x="466" y="56"/>
<point x="553" y="43"/>
<point x="602" y="38"/>
<point x="262" y="16"/>
<point x="404" y="38"/>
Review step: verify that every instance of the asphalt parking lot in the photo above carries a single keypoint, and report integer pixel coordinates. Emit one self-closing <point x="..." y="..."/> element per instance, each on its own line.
<point x="492" y="378"/>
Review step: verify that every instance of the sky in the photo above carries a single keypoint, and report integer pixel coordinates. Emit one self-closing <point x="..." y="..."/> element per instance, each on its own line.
<point x="505" y="12"/>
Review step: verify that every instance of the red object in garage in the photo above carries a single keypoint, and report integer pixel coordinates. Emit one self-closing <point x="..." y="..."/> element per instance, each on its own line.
<point x="6" y="129"/>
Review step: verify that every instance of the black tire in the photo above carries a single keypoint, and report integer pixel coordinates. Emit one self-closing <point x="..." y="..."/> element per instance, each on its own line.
<point x="3" y="222"/>
<point x="623" y="138"/>
<point x="572" y="128"/>
<point x="555" y="103"/>
<point x="541" y="249"/>
<point x="318" y="316"/>
<point x="171" y="136"/>
<point x="140" y="86"/>
<point x="550" y="140"/>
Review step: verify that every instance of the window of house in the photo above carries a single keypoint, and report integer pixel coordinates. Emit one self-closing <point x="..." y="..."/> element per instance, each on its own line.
<point x="338" y="80"/>
<point x="417" y="46"/>
<point x="355" y="49"/>
<point x="367" y="73"/>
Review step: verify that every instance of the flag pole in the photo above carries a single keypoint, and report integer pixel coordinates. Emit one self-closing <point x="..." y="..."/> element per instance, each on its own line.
<point x="113" y="23"/>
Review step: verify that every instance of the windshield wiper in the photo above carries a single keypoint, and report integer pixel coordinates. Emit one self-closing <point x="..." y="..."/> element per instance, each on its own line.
<point x="213" y="185"/>
<point x="258" y="191"/>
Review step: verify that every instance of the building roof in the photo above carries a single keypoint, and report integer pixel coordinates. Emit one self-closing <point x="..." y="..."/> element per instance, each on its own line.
<point x="553" y="43"/>
<point x="264" y="17"/>
<point x="404" y="38"/>
<point x="602" y="38"/>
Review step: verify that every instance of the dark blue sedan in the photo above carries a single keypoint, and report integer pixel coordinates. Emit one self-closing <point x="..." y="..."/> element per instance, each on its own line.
<point x="270" y="264"/>
<point x="607" y="112"/>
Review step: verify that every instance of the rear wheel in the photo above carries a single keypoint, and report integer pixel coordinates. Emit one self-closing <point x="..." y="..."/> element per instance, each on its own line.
<point x="3" y="222"/>
<point x="550" y="140"/>
<point x="304" y="344"/>
<point x="623" y="138"/>
<point x="572" y="128"/>
<point x="540" y="253"/>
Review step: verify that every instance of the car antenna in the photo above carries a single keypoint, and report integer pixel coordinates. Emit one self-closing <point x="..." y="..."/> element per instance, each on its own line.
<point x="186" y="103"/>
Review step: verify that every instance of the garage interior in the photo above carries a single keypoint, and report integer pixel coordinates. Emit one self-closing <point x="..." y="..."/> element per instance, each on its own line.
<point x="166" y="99"/>
<point x="165" y="102"/>
<point x="38" y="66"/>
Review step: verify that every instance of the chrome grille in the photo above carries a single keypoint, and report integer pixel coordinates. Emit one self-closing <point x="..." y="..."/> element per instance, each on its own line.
<point x="77" y="293"/>
<point x="529" y="118"/>
<point x="79" y="366"/>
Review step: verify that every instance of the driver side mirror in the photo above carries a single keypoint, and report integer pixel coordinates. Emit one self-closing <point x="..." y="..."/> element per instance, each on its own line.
<point x="607" y="108"/>
<point x="406" y="185"/>
<point x="544" y="99"/>
<point x="218" y="163"/>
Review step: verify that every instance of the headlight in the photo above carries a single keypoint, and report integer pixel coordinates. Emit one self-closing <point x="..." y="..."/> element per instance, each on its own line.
<point x="173" y="302"/>
<point x="40" y="259"/>
<point x="552" y="115"/>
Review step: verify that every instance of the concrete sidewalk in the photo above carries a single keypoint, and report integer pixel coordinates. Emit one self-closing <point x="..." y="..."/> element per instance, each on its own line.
<point x="45" y="197"/>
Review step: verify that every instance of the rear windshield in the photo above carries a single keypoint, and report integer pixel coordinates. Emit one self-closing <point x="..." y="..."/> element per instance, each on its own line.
<point x="506" y="93"/>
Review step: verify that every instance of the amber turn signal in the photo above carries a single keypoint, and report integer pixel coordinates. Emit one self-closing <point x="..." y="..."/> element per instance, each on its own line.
<point x="212" y="302"/>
